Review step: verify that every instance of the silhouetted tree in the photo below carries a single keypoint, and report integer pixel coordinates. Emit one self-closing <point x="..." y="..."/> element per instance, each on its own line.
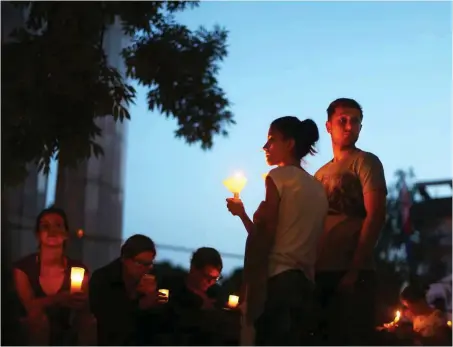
<point x="56" y="79"/>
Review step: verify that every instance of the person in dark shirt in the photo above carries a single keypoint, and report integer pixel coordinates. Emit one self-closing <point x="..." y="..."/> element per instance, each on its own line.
<point x="195" y="300"/>
<point x="122" y="292"/>
<point x="50" y="313"/>
<point x="199" y="290"/>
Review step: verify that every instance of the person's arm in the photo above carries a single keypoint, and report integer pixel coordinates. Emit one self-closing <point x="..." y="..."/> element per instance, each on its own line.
<point x="95" y="294"/>
<point x="267" y="220"/>
<point x="27" y="297"/>
<point x="248" y="224"/>
<point x="371" y="174"/>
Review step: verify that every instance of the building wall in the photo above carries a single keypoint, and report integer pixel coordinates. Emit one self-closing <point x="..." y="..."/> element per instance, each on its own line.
<point x="93" y="194"/>
<point x="24" y="202"/>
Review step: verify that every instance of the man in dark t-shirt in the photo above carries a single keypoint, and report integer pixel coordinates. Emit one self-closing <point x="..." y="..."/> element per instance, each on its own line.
<point x="197" y="303"/>
<point x="199" y="290"/>
<point x="122" y="295"/>
<point x="356" y="189"/>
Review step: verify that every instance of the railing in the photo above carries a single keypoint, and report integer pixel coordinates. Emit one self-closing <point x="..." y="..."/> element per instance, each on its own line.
<point x="181" y="249"/>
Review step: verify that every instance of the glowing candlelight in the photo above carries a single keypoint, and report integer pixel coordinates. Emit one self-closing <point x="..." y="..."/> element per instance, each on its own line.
<point x="77" y="274"/>
<point x="233" y="301"/>
<point x="165" y="292"/>
<point x="394" y="322"/>
<point x="235" y="183"/>
<point x="449" y="323"/>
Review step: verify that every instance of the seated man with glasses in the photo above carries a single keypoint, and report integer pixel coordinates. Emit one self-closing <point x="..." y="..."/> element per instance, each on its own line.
<point x="123" y="291"/>
<point x="200" y="289"/>
<point x="193" y="300"/>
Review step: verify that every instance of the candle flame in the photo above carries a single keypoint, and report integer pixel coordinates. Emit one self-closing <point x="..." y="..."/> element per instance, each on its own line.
<point x="77" y="274"/>
<point x="236" y="183"/>
<point x="397" y="316"/>
<point x="449" y="323"/>
<point x="233" y="301"/>
<point x="165" y="292"/>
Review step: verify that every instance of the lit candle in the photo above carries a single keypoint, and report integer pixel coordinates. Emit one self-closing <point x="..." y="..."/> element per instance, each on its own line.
<point x="77" y="274"/>
<point x="233" y="301"/>
<point x="397" y="317"/>
<point x="165" y="292"/>
<point x="235" y="183"/>
<point x="394" y="322"/>
<point x="449" y="323"/>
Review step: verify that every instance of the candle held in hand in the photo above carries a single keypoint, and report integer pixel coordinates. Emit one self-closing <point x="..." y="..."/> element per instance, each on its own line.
<point x="165" y="292"/>
<point x="77" y="274"/>
<point x="235" y="184"/>
<point x="233" y="301"/>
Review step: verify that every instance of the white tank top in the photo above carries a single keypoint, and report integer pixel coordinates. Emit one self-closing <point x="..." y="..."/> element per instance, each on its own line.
<point x="303" y="208"/>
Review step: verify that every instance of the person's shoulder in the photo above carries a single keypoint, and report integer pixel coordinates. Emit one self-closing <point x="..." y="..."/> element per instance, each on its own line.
<point x="108" y="270"/>
<point x="282" y="172"/>
<point x="318" y="174"/>
<point x="367" y="158"/>
<point x="438" y="314"/>
<point x="26" y="262"/>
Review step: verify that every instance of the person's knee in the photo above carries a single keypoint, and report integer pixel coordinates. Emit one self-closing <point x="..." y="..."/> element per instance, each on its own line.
<point x="37" y="329"/>
<point x="36" y="322"/>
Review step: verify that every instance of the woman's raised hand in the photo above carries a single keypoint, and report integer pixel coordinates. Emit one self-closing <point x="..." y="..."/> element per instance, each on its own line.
<point x="235" y="206"/>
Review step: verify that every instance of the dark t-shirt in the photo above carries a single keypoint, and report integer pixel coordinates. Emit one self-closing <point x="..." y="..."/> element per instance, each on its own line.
<point x="117" y="315"/>
<point x="59" y="317"/>
<point x="346" y="182"/>
<point x="184" y="298"/>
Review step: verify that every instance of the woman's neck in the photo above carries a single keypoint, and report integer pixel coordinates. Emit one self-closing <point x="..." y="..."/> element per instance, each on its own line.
<point x="290" y="162"/>
<point x="51" y="256"/>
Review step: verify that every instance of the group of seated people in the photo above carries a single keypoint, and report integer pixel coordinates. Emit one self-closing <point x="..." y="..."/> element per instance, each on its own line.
<point x="120" y="303"/>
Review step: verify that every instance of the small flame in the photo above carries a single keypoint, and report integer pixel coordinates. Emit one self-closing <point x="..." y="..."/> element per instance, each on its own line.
<point x="449" y="323"/>
<point x="236" y="183"/>
<point x="397" y="316"/>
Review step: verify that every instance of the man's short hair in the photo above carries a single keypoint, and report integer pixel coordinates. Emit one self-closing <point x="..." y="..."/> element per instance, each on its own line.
<point x="345" y="103"/>
<point x="137" y="244"/>
<point x="206" y="256"/>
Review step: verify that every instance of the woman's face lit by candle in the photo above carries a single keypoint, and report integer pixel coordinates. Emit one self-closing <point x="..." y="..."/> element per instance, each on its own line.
<point x="51" y="230"/>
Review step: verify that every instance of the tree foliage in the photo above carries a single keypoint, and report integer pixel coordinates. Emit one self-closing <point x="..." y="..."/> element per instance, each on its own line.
<point x="57" y="81"/>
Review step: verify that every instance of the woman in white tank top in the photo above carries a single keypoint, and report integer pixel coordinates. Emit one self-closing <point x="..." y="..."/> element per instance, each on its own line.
<point x="282" y="238"/>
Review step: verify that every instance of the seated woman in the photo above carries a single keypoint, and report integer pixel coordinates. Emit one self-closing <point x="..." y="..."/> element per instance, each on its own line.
<point x="50" y="313"/>
<point x="428" y="323"/>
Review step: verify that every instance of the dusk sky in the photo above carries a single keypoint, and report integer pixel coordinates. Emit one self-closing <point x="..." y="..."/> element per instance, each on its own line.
<point x="294" y="58"/>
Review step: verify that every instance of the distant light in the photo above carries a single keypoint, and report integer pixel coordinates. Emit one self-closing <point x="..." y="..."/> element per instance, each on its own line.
<point x="80" y="233"/>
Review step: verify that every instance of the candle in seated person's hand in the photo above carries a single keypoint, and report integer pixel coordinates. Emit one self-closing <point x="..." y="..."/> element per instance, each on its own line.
<point x="233" y="301"/>
<point x="77" y="274"/>
<point x="165" y="292"/>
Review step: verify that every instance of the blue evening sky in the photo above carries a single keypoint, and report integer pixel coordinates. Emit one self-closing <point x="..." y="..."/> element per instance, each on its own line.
<point x="294" y="58"/>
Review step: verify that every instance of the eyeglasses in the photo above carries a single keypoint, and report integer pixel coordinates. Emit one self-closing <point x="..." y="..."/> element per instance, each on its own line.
<point x="212" y="278"/>
<point x="143" y="263"/>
